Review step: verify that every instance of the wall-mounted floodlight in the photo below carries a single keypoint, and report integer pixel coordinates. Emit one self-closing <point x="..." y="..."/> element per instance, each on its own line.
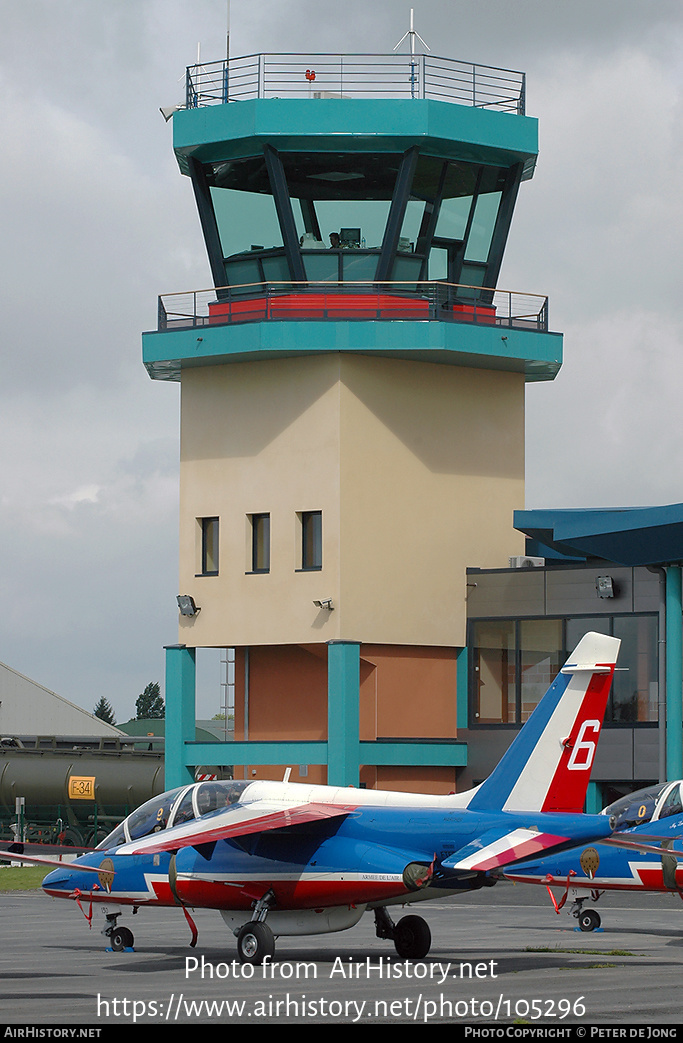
<point x="325" y="603"/>
<point x="604" y="586"/>
<point x="186" y="605"/>
<point x="168" y="111"/>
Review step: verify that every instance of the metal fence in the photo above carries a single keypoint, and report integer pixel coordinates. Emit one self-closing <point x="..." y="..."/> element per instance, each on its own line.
<point x="355" y="76"/>
<point x="353" y="301"/>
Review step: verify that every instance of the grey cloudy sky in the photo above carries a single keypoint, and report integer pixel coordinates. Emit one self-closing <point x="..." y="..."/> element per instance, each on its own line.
<point x="96" y="221"/>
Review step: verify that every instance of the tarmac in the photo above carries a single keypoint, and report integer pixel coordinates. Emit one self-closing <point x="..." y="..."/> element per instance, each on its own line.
<point x="500" y="957"/>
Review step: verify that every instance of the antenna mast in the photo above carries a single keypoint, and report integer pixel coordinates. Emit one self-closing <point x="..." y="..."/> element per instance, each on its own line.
<point x="226" y="73"/>
<point x="411" y="34"/>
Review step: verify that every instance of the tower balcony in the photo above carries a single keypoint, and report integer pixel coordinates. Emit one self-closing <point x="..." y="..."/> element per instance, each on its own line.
<point x="319" y="76"/>
<point x="432" y="321"/>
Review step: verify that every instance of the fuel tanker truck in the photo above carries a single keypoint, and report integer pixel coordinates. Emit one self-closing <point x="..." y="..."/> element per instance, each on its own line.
<point x="73" y="791"/>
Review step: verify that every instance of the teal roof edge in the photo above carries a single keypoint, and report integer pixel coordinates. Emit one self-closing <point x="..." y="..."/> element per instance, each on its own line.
<point x="354" y="125"/>
<point x="628" y="536"/>
<point x="538" y="355"/>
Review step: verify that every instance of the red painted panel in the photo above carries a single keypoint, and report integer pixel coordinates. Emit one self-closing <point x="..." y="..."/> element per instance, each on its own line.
<point x="320" y="306"/>
<point x="290" y="894"/>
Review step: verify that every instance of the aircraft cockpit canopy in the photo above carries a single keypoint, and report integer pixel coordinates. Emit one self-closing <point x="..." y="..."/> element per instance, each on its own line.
<point x="647" y="805"/>
<point x="175" y="807"/>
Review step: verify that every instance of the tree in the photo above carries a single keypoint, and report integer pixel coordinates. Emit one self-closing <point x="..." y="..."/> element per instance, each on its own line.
<point x="105" y="711"/>
<point x="150" y="704"/>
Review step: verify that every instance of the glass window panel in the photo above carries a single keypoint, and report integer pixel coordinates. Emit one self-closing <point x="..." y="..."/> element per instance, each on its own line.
<point x="321" y="266"/>
<point x="471" y="277"/>
<point x="483" y="222"/>
<point x="260" y="543"/>
<point x="312" y="540"/>
<point x="302" y="232"/>
<point x="424" y="193"/>
<point x="113" y="839"/>
<point x="407" y="269"/>
<point x="209" y="531"/>
<point x="368" y="215"/>
<point x="494" y="671"/>
<point x="458" y="193"/>
<point x="185" y="810"/>
<point x="153" y="815"/>
<point x="275" y="268"/>
<point x="634" y="808"/>
<point x="541" y="656"/>
<point x="438" y="263"/>
<point x="245" y="220"/>
<point x="347" y="190"/>
<point x="243" y="271"/>
<point x="576" y="628"/>
<point x="672" y="804"/>
<point x="359" y="266"/>
<point x="453" y="215"/>
<point x="634" y="690"/>
<point x="410" y="229"/>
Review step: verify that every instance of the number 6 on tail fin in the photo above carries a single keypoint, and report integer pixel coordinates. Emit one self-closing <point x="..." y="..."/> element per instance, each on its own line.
<point x="538" y="773"/>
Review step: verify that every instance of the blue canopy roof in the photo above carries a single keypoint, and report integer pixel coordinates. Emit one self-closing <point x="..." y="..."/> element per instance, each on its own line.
<point x="625" y="536"/>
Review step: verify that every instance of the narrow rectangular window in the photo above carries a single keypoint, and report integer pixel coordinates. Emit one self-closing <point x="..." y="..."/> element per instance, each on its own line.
<point x="209" y="532"/>
<point x="260" y="543"/>
<point x="311" y="540"/>
<point x="493" y="645"/>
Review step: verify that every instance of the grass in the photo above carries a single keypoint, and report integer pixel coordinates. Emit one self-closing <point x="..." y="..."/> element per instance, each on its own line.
<point x="581" y="952"/>
<point x="589" y="967"/>
<point x="21" y="878"/>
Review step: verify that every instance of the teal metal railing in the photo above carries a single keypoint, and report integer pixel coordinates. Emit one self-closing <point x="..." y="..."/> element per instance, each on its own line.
<point x="353" y="301"/>
<point x="319" y="76"/>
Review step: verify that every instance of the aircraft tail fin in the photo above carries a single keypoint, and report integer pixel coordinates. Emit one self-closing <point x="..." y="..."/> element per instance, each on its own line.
<point x="548" y="765"/>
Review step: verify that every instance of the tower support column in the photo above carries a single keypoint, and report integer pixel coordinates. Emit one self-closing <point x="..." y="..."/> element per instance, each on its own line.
<point x="180" y="713"/>
<point x="674" y="674"/>
<point x="343" y="714"/>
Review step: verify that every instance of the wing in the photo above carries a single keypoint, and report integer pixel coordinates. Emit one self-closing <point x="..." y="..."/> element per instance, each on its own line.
<point x="237" y="821"/>
<point x="39" y="860"/>
<point x="647" y="844"/>
<point x="499" y="847"/>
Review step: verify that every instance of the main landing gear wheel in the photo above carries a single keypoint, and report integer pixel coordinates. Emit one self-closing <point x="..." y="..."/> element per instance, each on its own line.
<point x="589" y="920"/>
<point x="255" y="942"/>
<point x="412" y="937"/>
<point x="121" y="938"/>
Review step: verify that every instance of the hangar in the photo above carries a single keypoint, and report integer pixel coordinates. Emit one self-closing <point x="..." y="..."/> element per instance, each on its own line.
<point x="28" y="708"/>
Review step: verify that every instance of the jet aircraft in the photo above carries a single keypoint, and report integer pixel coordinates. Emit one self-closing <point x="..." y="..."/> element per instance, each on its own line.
<point x="280" y="859"/>
<point x="644" y="856"/>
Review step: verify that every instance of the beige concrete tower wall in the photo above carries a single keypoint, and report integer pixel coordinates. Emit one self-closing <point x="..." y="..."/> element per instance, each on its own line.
<point x="431" y="471"/>
<point x="416" y="468"/>
<point x="259" y="437"/>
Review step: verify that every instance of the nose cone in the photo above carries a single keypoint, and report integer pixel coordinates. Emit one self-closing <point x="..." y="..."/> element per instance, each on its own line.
<point x="60" y="882"/>
<point x="85" y="874"/>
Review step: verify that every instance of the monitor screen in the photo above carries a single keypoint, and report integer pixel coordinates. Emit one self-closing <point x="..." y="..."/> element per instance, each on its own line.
<point x="349" y="236"/>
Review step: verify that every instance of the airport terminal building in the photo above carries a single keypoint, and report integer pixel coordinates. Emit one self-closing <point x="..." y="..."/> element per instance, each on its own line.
<point x="352" y="441"/>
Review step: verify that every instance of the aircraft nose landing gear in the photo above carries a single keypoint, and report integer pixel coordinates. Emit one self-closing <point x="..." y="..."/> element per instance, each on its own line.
<point x="589" y="919"/>
<point x="120" y="938"/>
<point x="411" y="935"/>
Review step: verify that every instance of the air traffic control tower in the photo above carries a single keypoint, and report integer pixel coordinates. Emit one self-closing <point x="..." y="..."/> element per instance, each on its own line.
<point x="352" y="404"/>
